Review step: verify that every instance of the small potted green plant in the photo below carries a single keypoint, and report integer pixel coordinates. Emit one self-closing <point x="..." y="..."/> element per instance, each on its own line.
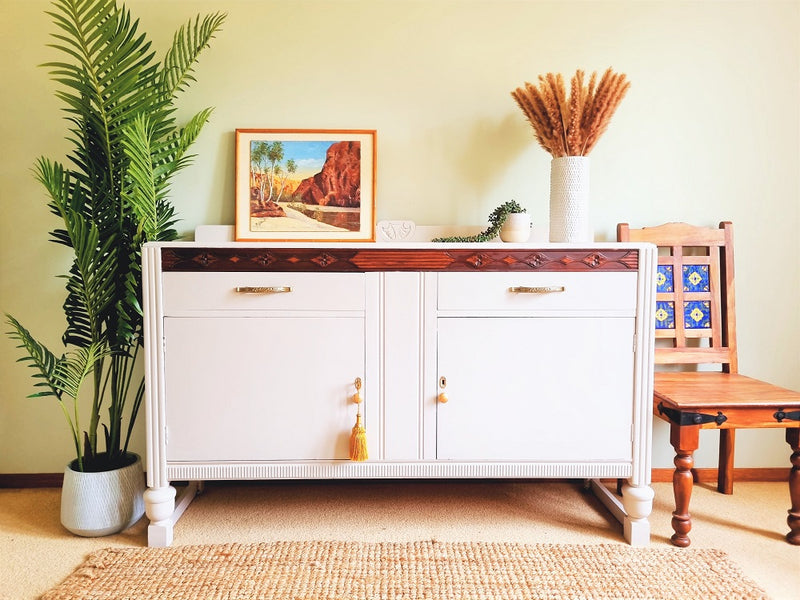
<point x="112" y="198"/>
<point x="509" y="212"/>
<point x="516" y="226"/>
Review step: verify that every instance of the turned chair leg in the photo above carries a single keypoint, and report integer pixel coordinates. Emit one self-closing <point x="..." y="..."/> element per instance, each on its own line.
<point x="685" y="441"/>
<point x="727" y="442"/>
<point x="793" y="439"/>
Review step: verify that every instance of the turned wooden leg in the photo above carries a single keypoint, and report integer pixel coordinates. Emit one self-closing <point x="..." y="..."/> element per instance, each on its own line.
<point x="685" y="441"/>
<point x="638" y="503"/>
<point x="159" y="504"/>
<point x="727" y="442"/>
<point x="793" y="439"/>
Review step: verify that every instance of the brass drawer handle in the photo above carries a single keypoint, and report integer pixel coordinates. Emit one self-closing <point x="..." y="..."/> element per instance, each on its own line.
<point x="547" y="289"/>
<point x="280" y="289"/>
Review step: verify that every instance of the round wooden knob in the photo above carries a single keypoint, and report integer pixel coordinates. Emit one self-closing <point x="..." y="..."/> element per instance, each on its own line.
<point x="443" y="398"/>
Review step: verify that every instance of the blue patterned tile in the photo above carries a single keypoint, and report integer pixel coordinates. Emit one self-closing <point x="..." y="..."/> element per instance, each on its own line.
<point x="697" y="314"/>
<point x="695" y="278"/>
<point x="665" y="315"/>
<point x="664" y="279"/>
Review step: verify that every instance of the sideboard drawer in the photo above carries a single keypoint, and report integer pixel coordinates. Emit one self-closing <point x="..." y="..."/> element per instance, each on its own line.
<point x="248" y="291"/>
<point x="543" y="291"/>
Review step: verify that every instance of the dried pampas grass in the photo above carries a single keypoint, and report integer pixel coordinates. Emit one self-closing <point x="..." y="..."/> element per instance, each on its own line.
<point x="571" y="126"/>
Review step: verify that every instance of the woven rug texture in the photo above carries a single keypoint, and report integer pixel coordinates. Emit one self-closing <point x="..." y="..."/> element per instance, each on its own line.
<point x="428" y="570"/>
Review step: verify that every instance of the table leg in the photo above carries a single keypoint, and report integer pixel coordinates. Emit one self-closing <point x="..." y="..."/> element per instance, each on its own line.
<point x="793" y="439"/>
<point x="684" y="440"/>
<point x="727" y="441"/>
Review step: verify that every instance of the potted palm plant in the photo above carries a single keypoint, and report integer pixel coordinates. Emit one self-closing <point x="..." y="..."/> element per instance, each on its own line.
<point x="110" y="199"/>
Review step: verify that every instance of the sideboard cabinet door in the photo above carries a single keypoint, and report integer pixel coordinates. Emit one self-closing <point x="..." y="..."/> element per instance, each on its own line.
<point x="261" y="388"/>
<point x="541" y="388"/>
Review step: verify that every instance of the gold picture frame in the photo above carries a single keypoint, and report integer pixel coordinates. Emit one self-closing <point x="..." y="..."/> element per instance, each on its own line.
<point x="305" y="185"/>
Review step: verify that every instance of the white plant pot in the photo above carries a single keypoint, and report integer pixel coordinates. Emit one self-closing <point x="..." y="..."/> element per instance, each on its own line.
<point x="97" y="504"/>
<point x="516" y="228"/>
<point x="569" y="199"/>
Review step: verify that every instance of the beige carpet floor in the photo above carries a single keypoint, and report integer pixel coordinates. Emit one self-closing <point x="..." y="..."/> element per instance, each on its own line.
<point x="37" y="553"/>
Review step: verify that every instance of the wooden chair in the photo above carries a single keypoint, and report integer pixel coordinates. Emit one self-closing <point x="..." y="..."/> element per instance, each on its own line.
<point x="695" y="309"/>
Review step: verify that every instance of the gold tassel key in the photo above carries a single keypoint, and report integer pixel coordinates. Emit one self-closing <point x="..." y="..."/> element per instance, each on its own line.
<point x="358" y="437"/>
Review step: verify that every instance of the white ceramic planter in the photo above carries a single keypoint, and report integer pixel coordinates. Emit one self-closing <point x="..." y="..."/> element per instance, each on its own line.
<point x="97" y="504"/>
<point x="516" y="228"/>
<point x="569" y="199"/>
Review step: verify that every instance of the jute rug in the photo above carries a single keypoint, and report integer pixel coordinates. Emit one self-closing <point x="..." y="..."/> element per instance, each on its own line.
<point x="427" y="570"/>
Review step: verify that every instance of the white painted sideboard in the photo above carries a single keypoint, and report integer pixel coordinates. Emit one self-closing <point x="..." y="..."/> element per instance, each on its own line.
<point x="477" y="361"/>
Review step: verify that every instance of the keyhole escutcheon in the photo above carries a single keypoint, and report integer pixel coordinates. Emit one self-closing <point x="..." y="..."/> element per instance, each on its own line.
<point x="442" y="397"/>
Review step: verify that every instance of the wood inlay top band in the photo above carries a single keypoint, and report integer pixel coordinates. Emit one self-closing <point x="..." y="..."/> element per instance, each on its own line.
<point x="344" y="260"/>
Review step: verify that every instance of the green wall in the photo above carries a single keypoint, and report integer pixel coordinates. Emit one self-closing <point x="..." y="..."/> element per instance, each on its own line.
<point x="709" y="131"/>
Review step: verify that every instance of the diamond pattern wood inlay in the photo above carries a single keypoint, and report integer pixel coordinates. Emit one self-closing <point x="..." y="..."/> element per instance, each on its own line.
<point x="264" y="260"/>
<point x="595" y="260"/>
<point x="535" y="260"/>
<point x="476" y="260"/>
<point x="186" y="257"/>
<point x="204" y="259"/>
<point x="324" y="259"/>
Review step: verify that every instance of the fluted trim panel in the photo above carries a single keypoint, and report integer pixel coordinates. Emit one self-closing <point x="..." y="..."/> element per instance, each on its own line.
<point x="392" y="470"/>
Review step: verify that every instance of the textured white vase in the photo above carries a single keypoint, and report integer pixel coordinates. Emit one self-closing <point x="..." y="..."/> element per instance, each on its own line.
<point x="97" y="504"/>
<point x="569" y="199"/>
<point x="516" y="228"/>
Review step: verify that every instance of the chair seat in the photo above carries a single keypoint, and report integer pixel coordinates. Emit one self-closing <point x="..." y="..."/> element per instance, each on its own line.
<point x="743" y="401"/>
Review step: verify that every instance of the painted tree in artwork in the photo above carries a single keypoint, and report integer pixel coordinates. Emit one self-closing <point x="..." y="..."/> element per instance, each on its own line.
<point x="265" y="167"/>
<point x="258" y="166"/>
<point x="291" y="168"/>
<point x="274" y="157"/>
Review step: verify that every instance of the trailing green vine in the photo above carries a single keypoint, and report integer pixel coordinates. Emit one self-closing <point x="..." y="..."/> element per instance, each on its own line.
<point x="496" y="220"/>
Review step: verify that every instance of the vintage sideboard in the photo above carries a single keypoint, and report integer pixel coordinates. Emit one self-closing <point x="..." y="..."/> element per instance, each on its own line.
<point x="476" y="361"/>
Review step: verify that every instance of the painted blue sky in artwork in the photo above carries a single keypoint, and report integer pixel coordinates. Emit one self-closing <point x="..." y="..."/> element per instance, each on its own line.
<point x="308" y="155"/>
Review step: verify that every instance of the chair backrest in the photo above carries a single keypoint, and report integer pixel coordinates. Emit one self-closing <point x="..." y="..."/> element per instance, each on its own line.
<point x="694" y="292"/>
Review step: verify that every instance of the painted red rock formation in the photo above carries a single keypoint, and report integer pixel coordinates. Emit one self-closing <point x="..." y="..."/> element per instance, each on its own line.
<point x="263" y="209"/>
<point x="339" y="182"/>
<point x="270" y="209"/>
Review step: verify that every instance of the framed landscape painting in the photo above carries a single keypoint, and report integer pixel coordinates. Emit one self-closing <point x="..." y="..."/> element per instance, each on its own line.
<point x="305" y="185"/>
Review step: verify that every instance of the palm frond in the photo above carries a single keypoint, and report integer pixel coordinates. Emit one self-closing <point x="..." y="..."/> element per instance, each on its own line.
<point x="187" y="44"/>
<point x="91" y="283"/>
<point x="192" y="129"/>
<point x="141" y="192"/>
<point x="60" y="376"/>
<point x="58" y="184"/>
<point x="151" y="165"/>
<point x="38" y="357"/>
<point x="72" y="371"/>
<point x="111" y="72"/>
